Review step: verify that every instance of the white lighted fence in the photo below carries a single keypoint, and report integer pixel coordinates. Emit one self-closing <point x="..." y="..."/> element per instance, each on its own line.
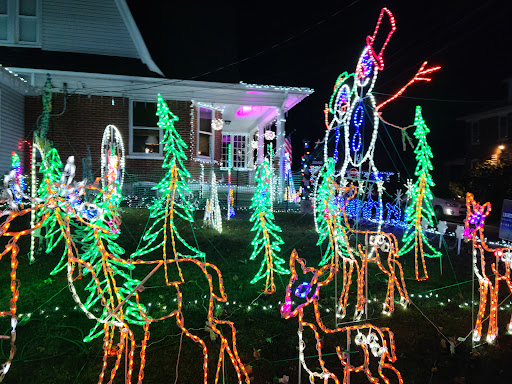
<point x="139" y="192"/>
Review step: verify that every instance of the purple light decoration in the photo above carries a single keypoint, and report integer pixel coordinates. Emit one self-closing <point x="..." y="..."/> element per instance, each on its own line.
<point x="246" y="111"/>
<point x="302" y="290"/>
<point x="343" y="95"/>
<point x="255" y="93"/>
<point x="365" y="66"/>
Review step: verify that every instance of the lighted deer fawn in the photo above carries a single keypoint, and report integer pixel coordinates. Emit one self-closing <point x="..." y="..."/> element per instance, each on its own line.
<point x="379" y="247"/>
<point x="13" y="248"/>
<point x="376" y="345"/>
<point x="495" y="261"/>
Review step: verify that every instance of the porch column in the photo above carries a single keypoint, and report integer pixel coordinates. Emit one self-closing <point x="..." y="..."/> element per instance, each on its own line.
<point x="261" y="145"/>
<point x="280" y="132"/>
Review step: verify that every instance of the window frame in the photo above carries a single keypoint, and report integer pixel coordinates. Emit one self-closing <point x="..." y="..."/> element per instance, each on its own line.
<point x="211" y="155"/>
<point x="246" y="136"/>
<point x="142" y="155"/>
<point x="13" y="25"/>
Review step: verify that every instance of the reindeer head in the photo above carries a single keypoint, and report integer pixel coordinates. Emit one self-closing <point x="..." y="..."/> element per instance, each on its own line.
<point x="475" y="217"/>
<point x="304" y="285"/>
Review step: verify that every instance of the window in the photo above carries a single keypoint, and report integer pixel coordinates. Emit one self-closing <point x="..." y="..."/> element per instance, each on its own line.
<point x="145" y="136"/>
<point x="238" y="150"/>
<point x="475" y="133"/>
<point x="503" y="127"/>
<point x="20" y="22"/>
<point x="205" y="133"/>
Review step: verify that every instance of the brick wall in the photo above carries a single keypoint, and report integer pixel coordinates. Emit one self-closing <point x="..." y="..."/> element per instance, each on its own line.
<point x="84" y="121"/>
<point x="217" y="136"/>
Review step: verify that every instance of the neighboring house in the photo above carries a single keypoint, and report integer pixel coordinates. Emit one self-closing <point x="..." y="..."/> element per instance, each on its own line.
<point x="102" y="73"/>
<point x="488" y="136"/>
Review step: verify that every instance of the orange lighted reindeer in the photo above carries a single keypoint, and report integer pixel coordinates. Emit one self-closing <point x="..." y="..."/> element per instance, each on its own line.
<point x="486" y="260"/>
<point x="375" y="343"/>
<point x="116" y="320"/>
<point x="380" y="248"/>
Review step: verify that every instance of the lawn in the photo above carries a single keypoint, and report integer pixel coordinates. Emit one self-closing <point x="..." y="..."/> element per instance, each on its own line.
<point x="50" y="347"/>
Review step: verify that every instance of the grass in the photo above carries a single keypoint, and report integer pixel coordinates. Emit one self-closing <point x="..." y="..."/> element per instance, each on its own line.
<point x="50" y="347"/>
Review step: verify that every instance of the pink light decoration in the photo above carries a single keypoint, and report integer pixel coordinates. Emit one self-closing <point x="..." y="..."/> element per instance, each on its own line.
<point x="255" y="93"/>
<point x="246" y="111"/>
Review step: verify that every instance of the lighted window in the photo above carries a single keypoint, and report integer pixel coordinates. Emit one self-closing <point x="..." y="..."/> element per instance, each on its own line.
<point x="145" y="136"/>
<point x="20" y="22"/>
<point x="503" y="127"/>
<point x="475" y="133"/>
<point x="205" y="133"/>
<point x="238" y="150"/>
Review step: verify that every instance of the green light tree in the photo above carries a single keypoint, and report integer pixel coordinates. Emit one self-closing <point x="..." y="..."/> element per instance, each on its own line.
<point x="328" y="218"/>
<point x="113" y="273"/>
<point x="51" y="169"/>
<point x="172" y="192"/>
<point x="267" y="237"/>
<point x="420" y="208"/>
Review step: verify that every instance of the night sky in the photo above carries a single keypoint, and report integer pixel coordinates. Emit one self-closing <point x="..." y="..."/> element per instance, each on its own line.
<point x="284" y="43"/>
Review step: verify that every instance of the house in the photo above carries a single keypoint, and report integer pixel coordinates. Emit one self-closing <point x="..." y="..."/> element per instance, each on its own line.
<point x="102" y="73"/>
<point x="488" y="134"/>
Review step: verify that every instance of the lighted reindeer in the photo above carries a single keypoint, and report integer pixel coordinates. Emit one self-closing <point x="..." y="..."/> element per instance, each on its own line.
<point x="501" y="261"/>
<point x="14" y="198"/>
<point x="376" y="344"/>
<point x="380" y="248"/>
<point x="117" y="323"/>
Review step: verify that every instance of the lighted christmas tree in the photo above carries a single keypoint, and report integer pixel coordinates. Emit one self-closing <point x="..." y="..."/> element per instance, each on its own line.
<point x="329" y="218"/>
<point x="212" y="215"/>
<point x="51" y="168"/>
<point x="173" y="192"/>
<point x="113" y="273"/>
<point x="267" y="237"/>
<point x="420" y="209"/>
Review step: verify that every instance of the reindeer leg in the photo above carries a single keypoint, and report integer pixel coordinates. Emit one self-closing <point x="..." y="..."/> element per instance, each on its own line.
<point x="347" y="281"/>
<point x="477" y="333"/>
<point x="219" y="360"/>
<point x="119" y="355"/>
<point x="181" y="323"/>
<point x="143" y="352"/>
<point x="492" y="331"/>
<point x="400" y="285"/>
<point x="106" y="347"/>
<point x="361" y="298"/>
<point x="232" y="351"/>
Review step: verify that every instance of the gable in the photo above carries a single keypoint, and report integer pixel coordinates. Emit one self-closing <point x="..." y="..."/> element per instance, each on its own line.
<point x="86" y="26"/>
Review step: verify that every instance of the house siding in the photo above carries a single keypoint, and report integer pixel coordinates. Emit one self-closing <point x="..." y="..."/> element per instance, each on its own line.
<point x="85" y="26"/>
<point x="489" y="140"/>
<point x="11" y="125"/>
<point x="83" y="123"/>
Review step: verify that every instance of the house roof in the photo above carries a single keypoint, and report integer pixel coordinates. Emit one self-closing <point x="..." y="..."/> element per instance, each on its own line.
<point x="35" y="58"/>
<point x="500" y="111"/>
<point x="136" y="36"/>
<point x="61" y="51"/>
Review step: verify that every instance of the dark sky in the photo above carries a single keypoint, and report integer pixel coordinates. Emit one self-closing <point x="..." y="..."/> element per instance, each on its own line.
<point x="284" y="43"/>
